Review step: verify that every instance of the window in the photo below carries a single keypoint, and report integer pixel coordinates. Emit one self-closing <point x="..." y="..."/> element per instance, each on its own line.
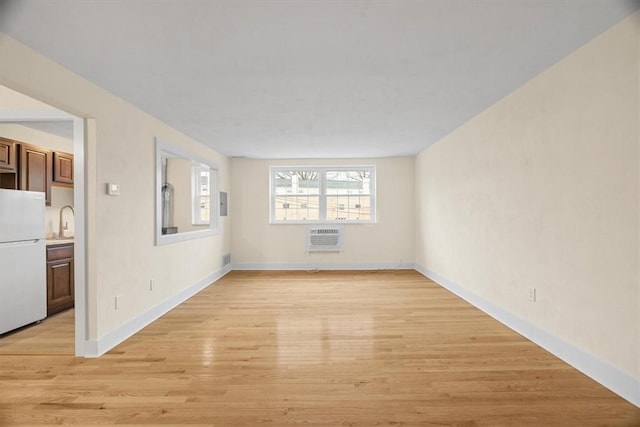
<point x="322" y="194"/>
<point x="200" y="195"/>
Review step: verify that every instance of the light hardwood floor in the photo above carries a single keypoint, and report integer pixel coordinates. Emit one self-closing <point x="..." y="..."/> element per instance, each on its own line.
<point x="54" y="335"/>
<point x="293" y="348"/>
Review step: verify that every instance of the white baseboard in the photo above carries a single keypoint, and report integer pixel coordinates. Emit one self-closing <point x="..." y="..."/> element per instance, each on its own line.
<point x="623" y="384"/>
<point x="326" y="266"/>
<point x="96" y="348"/>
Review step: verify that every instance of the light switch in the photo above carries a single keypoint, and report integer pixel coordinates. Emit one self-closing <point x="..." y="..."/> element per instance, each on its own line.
<point x="113" y="189"/>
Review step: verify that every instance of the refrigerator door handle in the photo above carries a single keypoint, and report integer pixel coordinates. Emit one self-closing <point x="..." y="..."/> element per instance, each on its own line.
<point x="19" y="243"/>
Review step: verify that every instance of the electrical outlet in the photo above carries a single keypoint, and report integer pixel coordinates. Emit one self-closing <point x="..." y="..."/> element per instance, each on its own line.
<point x="151" y="284"/>
<point x="116" y="302"/>
<point x="532" y="294"/>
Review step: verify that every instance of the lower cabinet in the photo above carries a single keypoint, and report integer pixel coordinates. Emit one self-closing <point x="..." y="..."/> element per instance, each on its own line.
<point x="60" y="288"/>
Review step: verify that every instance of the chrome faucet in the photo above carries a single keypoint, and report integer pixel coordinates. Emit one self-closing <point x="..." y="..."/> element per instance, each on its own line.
<point x="61" y="228"/>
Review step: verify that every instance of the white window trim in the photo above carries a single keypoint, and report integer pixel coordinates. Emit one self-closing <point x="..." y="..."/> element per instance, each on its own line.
<point x="164" y="148"/>
<point x="322" y="196"/>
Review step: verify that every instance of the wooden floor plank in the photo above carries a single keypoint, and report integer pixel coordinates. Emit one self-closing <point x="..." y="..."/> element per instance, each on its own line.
<point x="296" y="348"/>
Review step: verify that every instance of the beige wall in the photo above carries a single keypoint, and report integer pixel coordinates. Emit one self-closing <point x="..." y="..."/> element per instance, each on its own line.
<point x="34" y="136"/>
<point x="542" y="190"/>
<point x="60" y="196"/>
<point x="122" y="258"/>
<point x="12" y="100"/>
<point x="255" y="242"/>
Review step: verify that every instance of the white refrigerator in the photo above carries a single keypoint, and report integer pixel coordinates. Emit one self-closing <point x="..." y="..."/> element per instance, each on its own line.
<point x="23" y="274"/>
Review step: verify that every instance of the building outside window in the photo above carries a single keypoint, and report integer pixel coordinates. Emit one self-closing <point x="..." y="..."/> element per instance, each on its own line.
<point x="322" y="194"/>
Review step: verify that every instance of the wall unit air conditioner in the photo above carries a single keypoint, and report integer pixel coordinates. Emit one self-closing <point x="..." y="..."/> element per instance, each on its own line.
<point x="325" y="238"/>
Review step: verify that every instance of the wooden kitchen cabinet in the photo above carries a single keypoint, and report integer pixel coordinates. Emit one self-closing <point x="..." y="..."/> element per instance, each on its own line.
<point x="8" y="157"/>
<point x="35" y="170"/>
<point x="60" y="285"/>
<point x="8" y="163"/>
<point x="62" y="168"/>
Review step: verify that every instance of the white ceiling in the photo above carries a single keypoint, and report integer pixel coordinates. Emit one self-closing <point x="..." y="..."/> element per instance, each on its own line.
<point x="296" y="79"/>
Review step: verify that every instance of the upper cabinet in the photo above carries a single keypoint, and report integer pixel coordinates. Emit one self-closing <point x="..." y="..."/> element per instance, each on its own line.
<point x="8" y="163"/>
<point x="25" y="166"/>
<point x="35" y="170"/>
<point x="62" y="168"/>
<point x="8" y="158"/>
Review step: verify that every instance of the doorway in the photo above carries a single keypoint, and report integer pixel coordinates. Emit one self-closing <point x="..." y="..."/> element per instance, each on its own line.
<point x="18" y="108"/>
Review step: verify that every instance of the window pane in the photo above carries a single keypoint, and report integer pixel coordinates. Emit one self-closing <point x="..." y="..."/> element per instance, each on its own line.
<point x="297" y="208"/>
<point x="348" y="208"/>
<point x="346" y="195"/>
<point x="205" y="208"/>
<point x="204" y="182"/>
<point x="349" y="182"/>
<point x="297" y="182"/>
<point x="200" y="192"/>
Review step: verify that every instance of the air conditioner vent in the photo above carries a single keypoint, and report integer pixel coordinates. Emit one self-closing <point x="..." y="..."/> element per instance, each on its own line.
<point x="325" y="238"/>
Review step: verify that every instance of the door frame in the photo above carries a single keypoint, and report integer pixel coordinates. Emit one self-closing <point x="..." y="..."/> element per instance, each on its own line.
<point x="79" y="200"/>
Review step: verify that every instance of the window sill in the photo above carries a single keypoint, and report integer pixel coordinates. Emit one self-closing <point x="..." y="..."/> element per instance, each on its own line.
<point x="322" y="222"/>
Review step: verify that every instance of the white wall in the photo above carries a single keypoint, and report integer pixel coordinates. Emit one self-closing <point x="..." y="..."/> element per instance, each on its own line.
<point x="121" y="258"/>
<point x="257" y="244"/>
<point x="542" y="190"/>
<point x="60" y="196"/>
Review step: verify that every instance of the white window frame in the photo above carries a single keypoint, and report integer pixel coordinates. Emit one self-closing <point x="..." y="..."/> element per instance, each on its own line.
<point x="322" y="170"/>
<point x="163" y="150"/>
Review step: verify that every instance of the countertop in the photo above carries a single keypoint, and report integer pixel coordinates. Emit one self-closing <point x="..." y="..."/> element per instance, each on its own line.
<point x="52" y="242"/>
